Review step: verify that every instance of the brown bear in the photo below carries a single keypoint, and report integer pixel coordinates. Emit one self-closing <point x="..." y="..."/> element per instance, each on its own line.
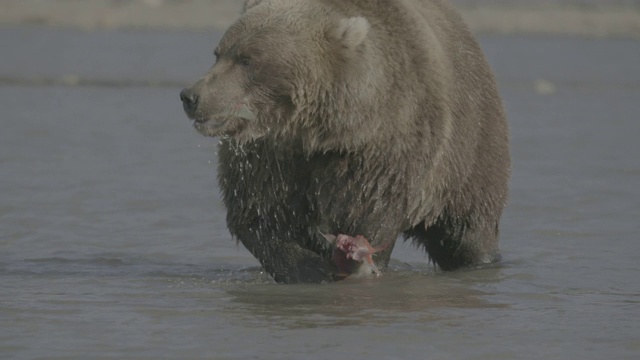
<point x="358" y="117"/>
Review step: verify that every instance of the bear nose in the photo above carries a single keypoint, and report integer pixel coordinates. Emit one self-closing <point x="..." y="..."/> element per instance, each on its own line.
<point x="189" y="99"/>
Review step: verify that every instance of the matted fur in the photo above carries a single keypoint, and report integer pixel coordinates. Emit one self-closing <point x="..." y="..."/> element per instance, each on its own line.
<point x="362" y="117"/>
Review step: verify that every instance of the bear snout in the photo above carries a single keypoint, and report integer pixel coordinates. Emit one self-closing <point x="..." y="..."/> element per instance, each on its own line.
<point x="189" y="101"/>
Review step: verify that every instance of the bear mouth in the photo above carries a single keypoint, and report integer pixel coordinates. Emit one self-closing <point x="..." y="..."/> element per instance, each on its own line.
<point x="226" y="123"/>
<point x="216" y="126"/>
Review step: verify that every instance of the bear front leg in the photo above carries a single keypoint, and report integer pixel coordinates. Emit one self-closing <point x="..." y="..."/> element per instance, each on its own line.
<point x="286" y="261"/>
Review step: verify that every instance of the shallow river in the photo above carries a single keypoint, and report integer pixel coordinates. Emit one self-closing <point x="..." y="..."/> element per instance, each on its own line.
<point x="113" y="242"/>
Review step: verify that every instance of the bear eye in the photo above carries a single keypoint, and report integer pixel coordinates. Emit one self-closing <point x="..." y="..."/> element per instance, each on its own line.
<point x="244" y="61"/>
<point x="216" y="53"/>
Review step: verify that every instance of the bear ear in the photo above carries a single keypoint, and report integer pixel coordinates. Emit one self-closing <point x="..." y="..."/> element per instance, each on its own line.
<point x="350" y="32"/>
<point x="249" y="4"/>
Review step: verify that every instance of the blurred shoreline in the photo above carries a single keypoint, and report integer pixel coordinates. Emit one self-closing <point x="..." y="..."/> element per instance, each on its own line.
<point x="588" y="18"/>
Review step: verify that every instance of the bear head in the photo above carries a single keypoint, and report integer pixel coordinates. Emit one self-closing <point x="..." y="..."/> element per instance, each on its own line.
<point x="293" y="69"/>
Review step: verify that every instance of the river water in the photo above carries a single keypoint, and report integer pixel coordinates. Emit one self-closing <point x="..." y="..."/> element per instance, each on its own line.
<point x="113" y="242"/>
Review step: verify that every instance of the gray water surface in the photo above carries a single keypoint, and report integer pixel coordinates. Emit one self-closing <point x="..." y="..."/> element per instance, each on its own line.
<point x="113" y="242"/>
